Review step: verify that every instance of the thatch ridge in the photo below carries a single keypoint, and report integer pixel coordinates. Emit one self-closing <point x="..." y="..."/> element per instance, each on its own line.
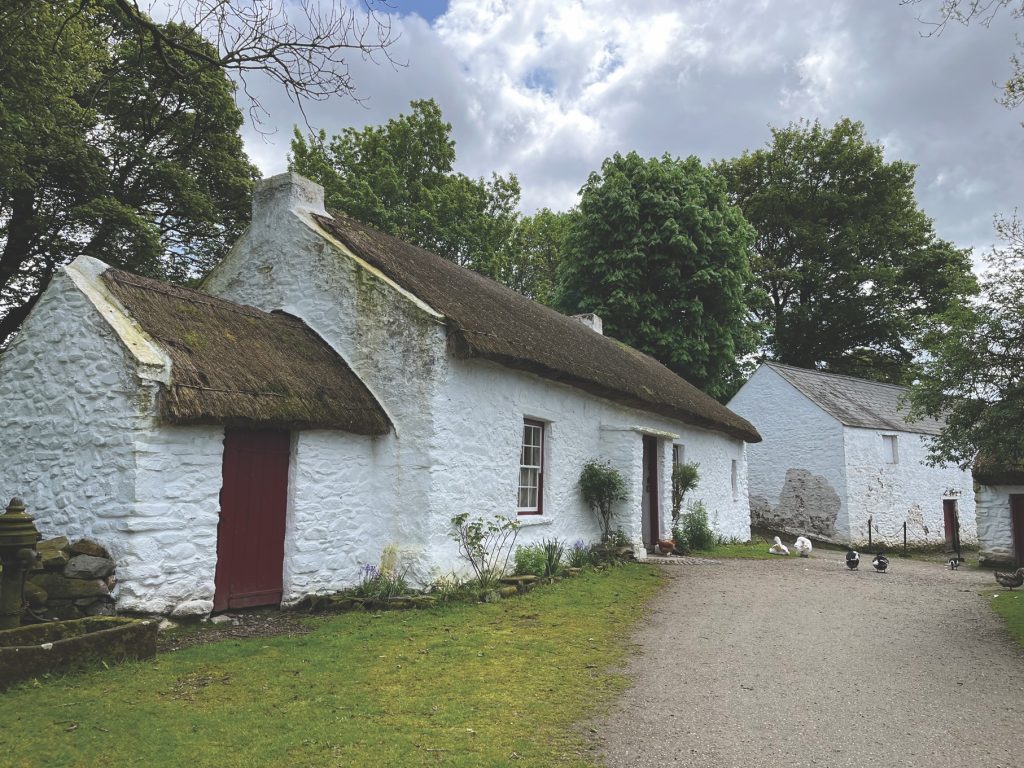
<point x="237" y="365"/>
<point x="489" y="320"/>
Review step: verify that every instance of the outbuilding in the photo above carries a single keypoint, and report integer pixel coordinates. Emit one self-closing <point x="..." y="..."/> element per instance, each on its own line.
<point x="1000" y="509"/>
<point x="332" y="391"/>
<point x="839" y="455"/>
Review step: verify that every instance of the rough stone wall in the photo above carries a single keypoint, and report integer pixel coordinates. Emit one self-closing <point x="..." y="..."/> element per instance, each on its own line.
<point x="995" y="526"/>
<point x="796" y="475"/>
<point x="479" y="412"/>
<point x="169" y="541"/>
<point x="907" y="491"/>
<point x="335" y="521"/>
<point x="68" y="404"/>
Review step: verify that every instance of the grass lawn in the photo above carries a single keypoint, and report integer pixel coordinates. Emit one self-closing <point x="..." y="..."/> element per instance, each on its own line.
<point x="751" y="550"/>
<point x="1010" y="605"/>
<point x="463" y="685"/>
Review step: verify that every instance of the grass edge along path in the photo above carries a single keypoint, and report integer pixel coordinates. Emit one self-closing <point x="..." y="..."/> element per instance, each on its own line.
<point x="462" y="685"/>
<point x="1009" y="604"/>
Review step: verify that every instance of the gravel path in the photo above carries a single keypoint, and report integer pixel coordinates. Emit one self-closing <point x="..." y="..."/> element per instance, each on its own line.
<point x="799" y="662"/>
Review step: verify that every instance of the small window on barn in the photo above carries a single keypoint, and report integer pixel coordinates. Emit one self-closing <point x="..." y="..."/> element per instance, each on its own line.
<point x="735" y="480"/>
<point x="890" y="449"/>
<point x="678" y="453"/>
<point x="531" y="469"/>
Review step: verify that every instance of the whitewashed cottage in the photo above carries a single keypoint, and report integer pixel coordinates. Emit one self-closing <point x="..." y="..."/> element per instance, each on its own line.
<point x="331" y="392"/>
<point x="838" y="452"/>
<point x="1000" y="509"/>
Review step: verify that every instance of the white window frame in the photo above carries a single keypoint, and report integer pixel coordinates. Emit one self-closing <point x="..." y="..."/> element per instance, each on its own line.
<point x="890" y="449"/>
<point x="678" y="453"/>
<point x="540" y="428"/>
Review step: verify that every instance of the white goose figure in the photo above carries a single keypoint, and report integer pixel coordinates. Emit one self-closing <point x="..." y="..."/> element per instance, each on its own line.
<point x="778" y="548"/>
<point x="803" y="546"/>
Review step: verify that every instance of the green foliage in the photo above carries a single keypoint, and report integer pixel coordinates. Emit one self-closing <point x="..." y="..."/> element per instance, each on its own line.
<point x="111" y="149"/>
<point x="553" y="552"/>
<point x="359" y="690"/>
<point x="846" y="263"/>
<point x="400" y="178"/>
<point x="658" y="251"/>
<point x="529" y="560"/>
<point x="544" y="559"/>
<point x="578" y="555"/>
<point x="972" y="376"/>
<point x="486" y="545"/>
<point x="531" y="265"/>
<point x="693" y="532"/>
<point x="601" y="486"/>
<point x="684" y="479"/>
<point x="1010" y="605"/>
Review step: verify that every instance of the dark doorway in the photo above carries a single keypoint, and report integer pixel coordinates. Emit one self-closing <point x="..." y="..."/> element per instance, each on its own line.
<point x="951" y="524"/>
<point x="250" y="535"/>
<point x="650" y="511"/>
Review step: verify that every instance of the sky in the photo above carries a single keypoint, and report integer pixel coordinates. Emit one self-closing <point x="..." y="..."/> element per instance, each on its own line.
<point x="547" y="90"/>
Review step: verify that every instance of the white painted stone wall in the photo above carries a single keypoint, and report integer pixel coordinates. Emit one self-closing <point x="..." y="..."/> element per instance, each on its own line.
<point x="995" y="526"/>
<point x="907" y="491"/>
<point x="169" y="539"/>
<point x="68" y="404"/>
<point x="796" y="475"/>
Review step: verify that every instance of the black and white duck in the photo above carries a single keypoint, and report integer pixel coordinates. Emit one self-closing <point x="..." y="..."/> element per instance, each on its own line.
<point x="880" y="563"/>
<point x="852" y="559"/>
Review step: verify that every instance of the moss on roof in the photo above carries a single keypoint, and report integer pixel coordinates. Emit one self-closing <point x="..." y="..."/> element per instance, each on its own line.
<point x="488" y="320"/>
<point x="239" y="366"/>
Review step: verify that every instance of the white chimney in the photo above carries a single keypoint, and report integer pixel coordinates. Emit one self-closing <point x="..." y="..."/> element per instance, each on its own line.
<point x="592" y="321"/>
<point x="276" y="195"/>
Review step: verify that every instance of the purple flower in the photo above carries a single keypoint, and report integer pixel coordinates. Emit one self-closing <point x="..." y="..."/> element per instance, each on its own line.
<point x="579" y="544"/>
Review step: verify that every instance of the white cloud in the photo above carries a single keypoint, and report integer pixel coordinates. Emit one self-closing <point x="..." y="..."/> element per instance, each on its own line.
<point x="548" y="90"/>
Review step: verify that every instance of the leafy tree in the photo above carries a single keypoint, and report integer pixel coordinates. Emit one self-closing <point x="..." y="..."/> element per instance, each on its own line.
<point x="660" y="254"/>
<point x="399" y="177"/>
<point x="106" y="151"/>
<point x="845" y="261"/>
<point x="973" y="374"/>
<point x="531" y="264"/>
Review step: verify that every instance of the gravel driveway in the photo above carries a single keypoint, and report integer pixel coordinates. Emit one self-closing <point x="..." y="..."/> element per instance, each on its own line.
<point x="799" y="662"/>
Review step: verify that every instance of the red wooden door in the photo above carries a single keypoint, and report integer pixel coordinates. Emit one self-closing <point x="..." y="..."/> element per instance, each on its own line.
<point x="250" y="535"/>
<point x="1017" y="521"/>
<point x="651" y="488"/>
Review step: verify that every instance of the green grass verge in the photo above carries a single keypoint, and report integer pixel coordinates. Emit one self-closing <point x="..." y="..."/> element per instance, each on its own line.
<point x="751" y="550"/>
<point x="1010" y="605"/>
<point x="462" y="685"/>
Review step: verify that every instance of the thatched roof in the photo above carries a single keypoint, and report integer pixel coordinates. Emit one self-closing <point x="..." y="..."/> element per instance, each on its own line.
<point x="239" y="366"/>
<point x="988" y="471"/>
<point x="488" y="320"/>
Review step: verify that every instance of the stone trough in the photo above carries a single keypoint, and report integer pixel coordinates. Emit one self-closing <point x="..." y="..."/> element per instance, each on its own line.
<point x="64" y="646"/>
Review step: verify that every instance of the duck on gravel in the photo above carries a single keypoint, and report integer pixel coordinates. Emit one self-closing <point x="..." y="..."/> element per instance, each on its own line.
<point x="778" y="548"/>
<point x="803" y="546"/>
<point x="852" y="559"/>
<point x="1010" y="580"/>
<point x="880" y="563"/>
<point x="954" y="563"/>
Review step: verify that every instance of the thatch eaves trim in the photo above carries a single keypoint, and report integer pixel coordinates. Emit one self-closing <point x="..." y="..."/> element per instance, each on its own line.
<point x="488" y="320"/>
<point x="239" y="366"/>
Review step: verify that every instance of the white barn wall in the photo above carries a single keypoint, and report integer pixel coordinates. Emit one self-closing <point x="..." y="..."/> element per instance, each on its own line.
<point x="995" y="526"/>
<point x="907" y="491"/>
<point x="796" y="476"/>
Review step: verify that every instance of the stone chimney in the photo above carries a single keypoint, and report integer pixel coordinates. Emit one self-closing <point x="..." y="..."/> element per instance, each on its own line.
<point x="277" y="195"/>
<point x="592" y="321"/>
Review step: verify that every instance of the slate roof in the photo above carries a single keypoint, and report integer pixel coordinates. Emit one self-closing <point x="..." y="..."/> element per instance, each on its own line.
<point x="491" y="321"/>
<point x="239" y="366"/>
<point x="857" y="402"/>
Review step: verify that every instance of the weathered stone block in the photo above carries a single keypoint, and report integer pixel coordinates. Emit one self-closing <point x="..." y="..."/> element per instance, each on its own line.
<point x="89" y="547"/>
<point x="89" y="567"/>
<point x="62" y="588"/>
<point x="35" y="595"/>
